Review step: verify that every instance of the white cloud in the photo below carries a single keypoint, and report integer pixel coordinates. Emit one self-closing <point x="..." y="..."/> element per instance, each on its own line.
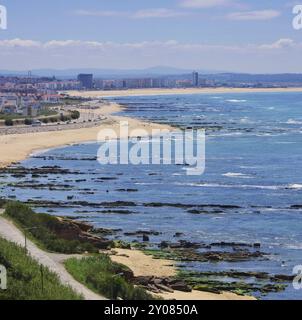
<point x="158" y="13"/>
<point x="59" y="44"/>
<point x="204" y="3"/>
<point x="101" y="13"/>
<point x="63" y="54"/>
<point x="280" y="44"/>
<point x="19" y="43"/>
<point x="140" y="14"/>
<point x="254" y="15"/>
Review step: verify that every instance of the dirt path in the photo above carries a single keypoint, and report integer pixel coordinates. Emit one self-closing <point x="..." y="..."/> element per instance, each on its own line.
<point x="52" y="261"/>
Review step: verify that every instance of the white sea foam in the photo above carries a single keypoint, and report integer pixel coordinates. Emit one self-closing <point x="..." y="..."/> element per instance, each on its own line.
<point x="295" y="186"/>
<point x="292" y="121"/>
<point x="237" y="175"/>
<point x="239" y="186"/>
<point x="236" y="100"/>
<point x="246" y="120"/>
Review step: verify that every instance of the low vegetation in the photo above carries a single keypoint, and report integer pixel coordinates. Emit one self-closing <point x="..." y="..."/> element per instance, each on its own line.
<point x="41" y="228"/>
<point x="105" y="277"/>
<point x="27" y="280"/>
<point x="46" y="116"/>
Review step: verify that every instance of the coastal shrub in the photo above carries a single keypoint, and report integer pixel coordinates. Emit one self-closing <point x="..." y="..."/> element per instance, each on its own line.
<point x="75" y="114"/>
<point x="53" y="119"/>
<point x="41" y="227"/>
<point x="64" y="118"/>
<point x="9" y="122"/>
<point x="28" y="122"/>
<point x="102" y="275"/>
<point x="2" y="203"/>
<point x="25" y="277"/>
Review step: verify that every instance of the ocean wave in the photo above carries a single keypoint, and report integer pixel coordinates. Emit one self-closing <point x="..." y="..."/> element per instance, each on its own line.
<point x="295" y="186"/>
<point x="237" y="186"/>
<point x="246" y="120"/>
<point x="237" y="175"/>
<point x="236" y="100"/>
<point x="292" y="121"/>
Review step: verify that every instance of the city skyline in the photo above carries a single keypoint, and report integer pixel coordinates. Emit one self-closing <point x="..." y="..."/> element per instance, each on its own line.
<point x="222" y="35"/>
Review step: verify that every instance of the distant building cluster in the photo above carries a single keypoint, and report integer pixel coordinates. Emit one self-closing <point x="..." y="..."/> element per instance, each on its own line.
<point x="36" y="85"/>
<point x="27" y="105"/>
<point x="87" y="82"/>
<point x="28" y="95"/>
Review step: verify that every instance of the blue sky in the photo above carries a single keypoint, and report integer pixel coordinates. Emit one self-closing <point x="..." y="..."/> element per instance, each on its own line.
<point x="233" y="35"/>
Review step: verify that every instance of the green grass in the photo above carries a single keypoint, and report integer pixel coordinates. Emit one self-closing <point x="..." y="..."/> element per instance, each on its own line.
<point x="10" y="116"/>
<point x="41" y="229"/>
<point x="24" y="280"/>
<point x="105" y="277"/>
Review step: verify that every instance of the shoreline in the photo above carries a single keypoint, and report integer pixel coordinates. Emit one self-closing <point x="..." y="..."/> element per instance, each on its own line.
<point x="145" y="265"/>
<point x="174" y="91"/>
<point x="18" y="147"/>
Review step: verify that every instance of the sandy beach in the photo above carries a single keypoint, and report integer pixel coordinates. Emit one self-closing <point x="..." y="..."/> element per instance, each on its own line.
<point x="144" y="265"/>
<point x="154" y="92"/>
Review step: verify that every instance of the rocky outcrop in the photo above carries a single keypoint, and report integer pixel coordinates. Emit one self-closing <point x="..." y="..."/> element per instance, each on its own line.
<point x="75" y="230"/>
<point x="158" y="285"/>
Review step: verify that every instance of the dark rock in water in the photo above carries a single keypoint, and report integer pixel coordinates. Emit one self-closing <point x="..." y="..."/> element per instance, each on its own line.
<point x="182" y="244"/>
<point x="106" y="178"/>
<point x="118" y="204"/>
<point x="199" y="208"/>
<point x="283" y="277"/>
<point x="196" y="211"/>
<point x="231" y="256"/>
<point x="105" y="232"/>
<point x="142" y="232"/>
<point x="178" y="234"/>
<point x="296" y="206"/>
<point x="127" y="190"/>
<point x="145" y="238"/>
<point x="45" y="170"/>
<point x="191" y="254"/>
<point x="235" y="244"/>
<point x="163" y="244"/>
<point x="70" y="197"/>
